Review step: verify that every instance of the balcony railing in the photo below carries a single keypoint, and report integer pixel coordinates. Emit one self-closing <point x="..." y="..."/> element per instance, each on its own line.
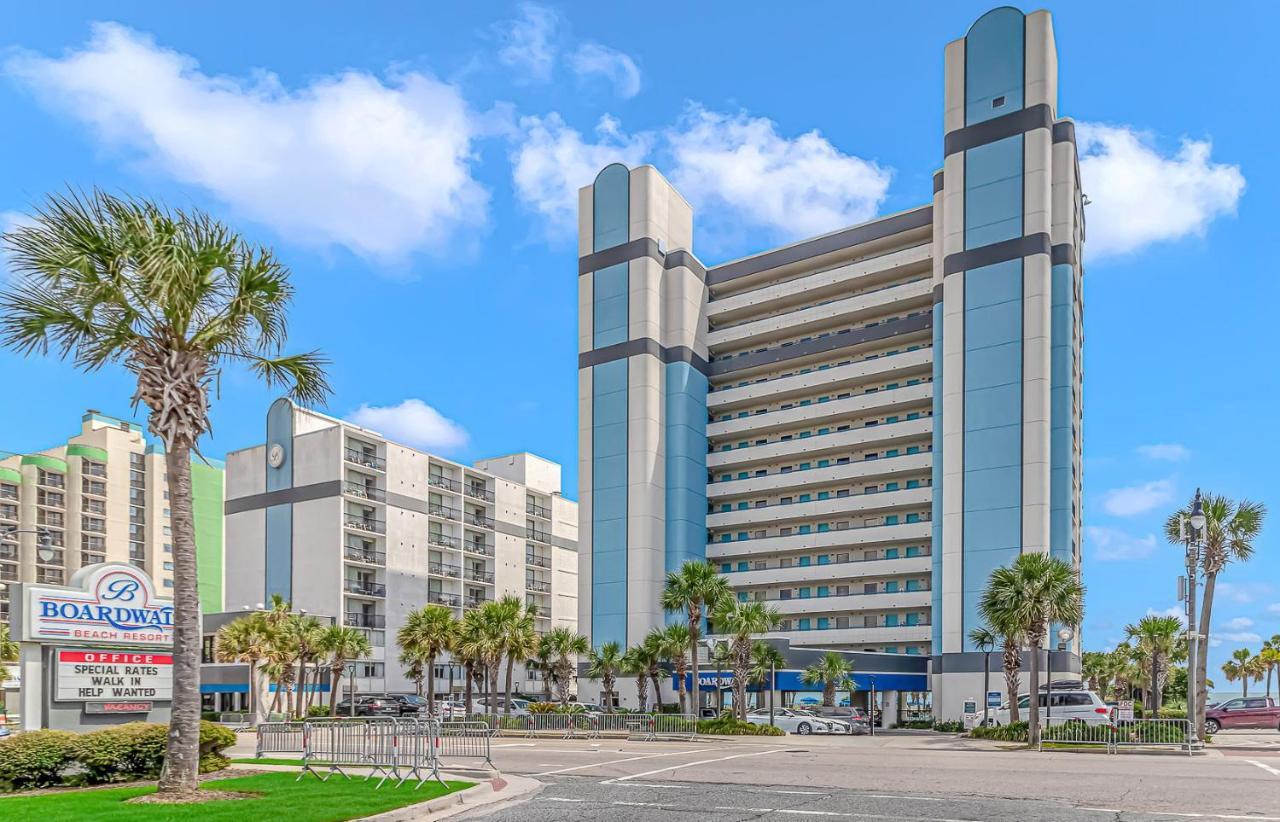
<point x="538" y="585"/>
<point x="480" y="492"/>
<point x="373" y="526"/>
<point x="8" y="512"/>
<point x="473" y="602"/>
<point x="479" y="576"/>
<point x="534" y="559"/>
<point x="922" y="623"/>
<point x="443" y="540"/>
<point x="359" y="489"/>
<point x="444" y="569"/>
<point x="9" y="492"/>
<point x="537" y="510"/>
<point x="926" y="552"/>
<point x="535" y="534"/>
<point x="478" y="548"/>
<point x="97" y="489"/>
<point x="435" y="509"/>
<point x="8" y="573"/>
<point x="367" y="460"/>
<point x="919" y="520"/>
<point x="368" y="589"/>
<point x="52" y="480"/>
<point x="9" y="551"/>
<point x="356" y="619"/>
<point x="48" y="577"/>
<point x="441" y="598"/>
<point x="440" y="481"/>
<point x="538" y="610"/>
<point x="87" y="558"/>
<point x="94" y="469"/>
<point x="776" y="596"/>
<point x="479" y="519"/>
<point x="357" y="553"/>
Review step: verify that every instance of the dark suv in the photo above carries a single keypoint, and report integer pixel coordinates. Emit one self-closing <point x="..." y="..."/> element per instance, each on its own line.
<point x="410" y="704"/>
<point x="370" y="706"/>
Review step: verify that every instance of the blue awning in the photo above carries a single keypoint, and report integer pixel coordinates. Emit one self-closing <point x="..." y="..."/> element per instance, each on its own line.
<point x="790" y="681"/>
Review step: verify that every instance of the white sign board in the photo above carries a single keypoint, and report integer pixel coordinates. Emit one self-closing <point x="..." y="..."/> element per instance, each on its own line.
<point x="106" y="604"/>
<point x="110" y="676"/>
<point x="1124" y="710"/>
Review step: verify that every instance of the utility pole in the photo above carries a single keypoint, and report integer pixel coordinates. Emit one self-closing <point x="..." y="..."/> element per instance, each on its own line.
<point x="1192" y="533"/>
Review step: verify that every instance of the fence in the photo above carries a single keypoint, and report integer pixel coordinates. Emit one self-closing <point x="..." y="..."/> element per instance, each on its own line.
<point x="1122" y="734"/>
<point x="278" y="737"/>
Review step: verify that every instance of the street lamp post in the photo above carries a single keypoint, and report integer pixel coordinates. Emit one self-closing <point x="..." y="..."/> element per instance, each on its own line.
<point x="1193" y="533"/>
<point x="710" y="645"/>
<point x="773" y="685"/>
<point x="1064" y="636"/>
<point x="987" y="646"/>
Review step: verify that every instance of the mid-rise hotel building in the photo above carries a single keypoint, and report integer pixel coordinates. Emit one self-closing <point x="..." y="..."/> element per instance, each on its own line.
<point x="102" y="496"/>
<point x="859" y="427"/>
<point x="342" y="522"/>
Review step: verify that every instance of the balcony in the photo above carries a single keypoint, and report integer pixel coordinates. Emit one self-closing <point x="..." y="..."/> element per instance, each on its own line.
<point x="364" y="588"/>
<point x="440" y="481"/>
<point x="861" y="635"/>
<point x="474" y="602"/>
<point x="362" y="491"/>
<point x="356" y="553"/>
<point x="538" y="585"/>
<point x="479" y="576"/>
<point x="442" y="540"/>
<point x="93" y="487"/>
<point x="537" y="510"/>
<point x="358" y="619"/>
<point x="50" y="480"/>
<point x="480" y="492"/>
<point x="372" y="526"/>
<point x="833" y="572"/>
<point x="9" y="492"/>
<point x="478" y="519"/>
<point x="478" y="548"/>
<point x="9" y="512"/>
<point x="879" y="601"/>
<point x="540" y="562"/>
<point x="87" y="558"/>
<point x="538" y="536"/>
<point x="849" y="505"/>
<point x="93" y="526"/>
<point x="444" y="569"/>
<point x="94" y="469"/>
<point x="8" y="573"/>
<point x="829" y="409"/>
<point x="818" y="540"/>
<point x="49" y="576"/>
<point x="9" y="551"/>
<point x="824" y="445"/>
<point x="354" y="455"/>
<point x="441" y="598"/>
<point x="435" y="509"/>
<point x="850" y="471"/>
<point x="540" y="611"/>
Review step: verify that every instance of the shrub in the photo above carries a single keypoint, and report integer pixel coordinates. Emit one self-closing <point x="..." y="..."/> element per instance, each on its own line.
<point x="209" y="716"/>
<point x="214" y="739"/>
<point x="121" y="752"/>
<point x="543" y="707"/>
<point x="314" y="710"/>
<point x="954" y="726"/>
<point x="35" y="759"/>
<point x="1013" y="732"/>
<point x="731" y="726"/>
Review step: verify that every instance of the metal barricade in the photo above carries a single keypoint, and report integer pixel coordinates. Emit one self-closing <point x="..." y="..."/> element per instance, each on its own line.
<point x="417" y="750"/>
<point x="641" y="728"/>
<point x="464" y="741"/>
<point x="1153" y="733"/>
<point x="343" y="743"/>
<point x="682" y="726"/>
<point x="1061" y="733"/>
<point x="278" y="737"/>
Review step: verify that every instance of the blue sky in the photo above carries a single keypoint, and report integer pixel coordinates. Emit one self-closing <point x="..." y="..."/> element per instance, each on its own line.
<point x="416" y="165"/>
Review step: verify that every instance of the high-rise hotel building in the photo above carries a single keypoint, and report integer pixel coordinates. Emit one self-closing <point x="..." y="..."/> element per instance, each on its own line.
<point x="859" y="427"/>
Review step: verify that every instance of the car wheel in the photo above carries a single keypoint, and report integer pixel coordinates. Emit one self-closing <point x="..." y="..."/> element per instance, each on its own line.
<point x="803" y="729"/>
<point x="1212" y="726"/>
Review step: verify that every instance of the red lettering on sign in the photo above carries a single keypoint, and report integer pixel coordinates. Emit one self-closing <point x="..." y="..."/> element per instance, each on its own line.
<point x="115" y="657"/>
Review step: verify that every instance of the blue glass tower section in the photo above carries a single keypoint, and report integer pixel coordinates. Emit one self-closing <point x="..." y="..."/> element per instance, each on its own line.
<point x="609" y="402"/>
<point x="686" y="464"/>
<point x="1062" y="401"/>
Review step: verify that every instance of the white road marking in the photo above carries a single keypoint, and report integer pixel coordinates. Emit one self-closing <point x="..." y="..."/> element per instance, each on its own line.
<point x="790" y="793"/>
<point x="531" y="744"/>
<point x="1264" y="767"/>
<point x="687" y="765"/>
<point x="644" y="804"/>
<point x="1190" y="815"/>
<point x="842" y="814"/>
<point x="559" y="799"/>
<point x="614" y="762"/>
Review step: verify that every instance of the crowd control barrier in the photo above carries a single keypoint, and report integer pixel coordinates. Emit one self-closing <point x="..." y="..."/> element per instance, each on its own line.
<point x="1136" y="733"/>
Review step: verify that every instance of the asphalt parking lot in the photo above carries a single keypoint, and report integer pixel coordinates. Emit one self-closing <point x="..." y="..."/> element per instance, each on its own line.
<point x="925" y="778"/>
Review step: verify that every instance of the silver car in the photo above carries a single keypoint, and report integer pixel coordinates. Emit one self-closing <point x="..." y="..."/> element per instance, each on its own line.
<point x="793" y="722"/>
<point x="1066" y="706"/>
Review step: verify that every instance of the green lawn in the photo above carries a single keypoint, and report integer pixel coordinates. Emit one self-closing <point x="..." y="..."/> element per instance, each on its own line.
<point x="266" y="760"/>
<point x="309" y="800"/>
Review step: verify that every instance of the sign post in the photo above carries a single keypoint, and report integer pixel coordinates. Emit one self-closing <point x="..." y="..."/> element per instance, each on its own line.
<point x="1124" y="710"/>
<point x="96" y="648"/>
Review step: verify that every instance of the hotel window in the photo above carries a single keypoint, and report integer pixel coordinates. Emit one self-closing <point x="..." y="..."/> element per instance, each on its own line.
<point x="913" y="619"/>
<point x="913" y="517"/>
<point x="803" y="562"/>
<point x="744" y="566"/>
<point x="742" y="596"/>
<point x="842" y="590"/>
<point x="891" y="620"/>
<point x="726" y="567"/>
<point x="913" y="550"/>
<point x="823" y="623"/>
<point x="891" y="553"/>
<point x="824" y="591"/>
<point x="804" y="593"/>
<point x="842" y="622"/>
<point x="804" y="624"/>
<point x="891" y="587"/>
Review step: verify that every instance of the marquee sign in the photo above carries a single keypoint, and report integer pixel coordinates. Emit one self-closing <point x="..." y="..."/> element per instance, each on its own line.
<point x="112" y="677"/>
<point x="105" y="604"/>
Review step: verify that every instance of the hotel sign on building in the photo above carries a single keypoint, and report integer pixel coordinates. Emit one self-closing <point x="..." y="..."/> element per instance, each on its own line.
<point x="99" y="646"/>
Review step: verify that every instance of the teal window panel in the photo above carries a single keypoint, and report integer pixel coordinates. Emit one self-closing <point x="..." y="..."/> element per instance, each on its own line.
<point x="742" y="596"/>
<point x="913" y="619"/>
<point x="890" y="649"/>
<point x="742" y="506"/>
<point x="892" y="452"/>
<point x="891" y="553"/>
<point x="824" y="623"/>
<point x="803" y="562"/>
<point x="823" y="527"/>
<point x="913" y="650"/>
<point x="913" y="449"/>
<point x="744" y="566"/>
<point x="913" y="585"/>
<point x="804" y="529"/>
<point x="823" y="463"/>
<point x="891" y="621"/>
<point x="824" y="494"/>
<point x="726" y="537"/>
<point x="726" y="568"/>
<point x="743" y="535"/>
<point x="804" y="593"/>
<point x="824" y="590"/>
<point x="891" y="519"/>
<point x="913" y="550"/>
<point x="725" y="507"/>
<point x="804" y="498"/>
<point x="804" y="623"/>
<point x="891" y="486"/>
<point x="891" y="587"/>
<point x="824" y="559"/>
<point x="804" y="466"/>
<point x="913" y="483"/>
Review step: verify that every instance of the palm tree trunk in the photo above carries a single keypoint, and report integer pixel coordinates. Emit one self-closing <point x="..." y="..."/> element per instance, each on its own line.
<point x="740" y="687"/>
<point x="431" y="686"/>
<point x="1244" y="681"/>
<point x="511" y="661"/>
<point x="467" y="668"/>
<point x="1033" y="705"/>
<point x="1012" y="664"/>
<point x="180" y="773"/>
<point x="1202" y="657"/>
<point x="335" y="685"/>
<point x="695" y="690"/>
<point x="1155" y="683"/>
<point x="642" y="690"/>
<point x="657" y="690"/>
<point x="253" y="692"/>
<point x="680" y="672"/>
<point x="493" y="669"/>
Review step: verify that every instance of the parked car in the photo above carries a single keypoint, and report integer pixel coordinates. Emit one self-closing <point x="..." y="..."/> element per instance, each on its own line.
<point x="519" y="707"/>
<point x="410" y="704"/>
<point x="587" y="707"/>
<point x="1067" y="706"/>
<point x="1251" y="712"/>
<point x="369" y="706"/>
<point x="793" y="722"/>
<point x="839" y="724"/>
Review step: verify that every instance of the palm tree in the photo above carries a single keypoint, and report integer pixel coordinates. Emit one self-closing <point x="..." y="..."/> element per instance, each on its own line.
<point x="1159" y="640"/>
<point x="1035" y="591"/>
<point x="1254" y="668"/>
<point x="542" y="657"/>
<point x="1270" y="656"/>
<point x="986" y="640"/>
<point x="721" y="656"/>
<point x="696" y="588"/>
<point x="468" y="647"/>
<point x="1229" y="533"/>
<point x="832" y="671"/>
<point x="564" y="646"/>
<point x="1009" y="635"/>
<point x="636" y="662"/>
<point x="657" y="646"/>
<point x="340" y="645"/>
<point x="306" y="633"/>
<point x="246" y="639"/>
<point x="520" y="641"/>
<point x="427" y="633"/>
<point x="173" y="296"/>
<point x="1237" y="669"/>
<point x="765" y="661"/>
<point x="1094" y="671"/>
<point x="675" y="641"/>
<point x="604" y="663"/>
<point x="741" y="621"/>
<point x="491" y="638"/>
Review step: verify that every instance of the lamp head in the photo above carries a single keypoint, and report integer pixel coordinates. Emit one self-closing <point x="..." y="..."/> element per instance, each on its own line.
<point x="1197" y="512"/>
<point x="1065" y="634"/>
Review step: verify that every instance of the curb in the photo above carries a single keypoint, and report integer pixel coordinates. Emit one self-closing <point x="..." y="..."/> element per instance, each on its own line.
<point x="494" y="790"/>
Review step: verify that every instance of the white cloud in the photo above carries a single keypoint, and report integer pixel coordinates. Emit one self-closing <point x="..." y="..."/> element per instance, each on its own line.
<point x="1169" y="452"/>
<point x="1171" y="611"/>
<point x="380" y="167"/>
<point x="1139" y="196"/>
<point x="1241" y="592"/>
<point x="1274" y="608"/>
<point x="552" y="161"/>
<point x="9" y="221"/>
<point x="412" y="422"/>
<point x="1137" y="499"/>
<point x="618" y="68"/>
<point x="1216" y="639"/>
<point x="529" y="42"/>
<point x="1112" y="544"/>
<point x="747" y="178"/>
<point x="1239" y="623"/>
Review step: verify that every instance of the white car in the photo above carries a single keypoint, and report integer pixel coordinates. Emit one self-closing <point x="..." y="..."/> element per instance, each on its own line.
<point x="793" y="722"/>
<point x="1066" y="706"/>
<point x="838" y="724"/>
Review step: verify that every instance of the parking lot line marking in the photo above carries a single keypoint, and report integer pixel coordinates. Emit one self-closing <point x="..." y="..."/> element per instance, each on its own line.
<point x="791" y="793"/>
<point x="613" y="762"/>
<point x="1190" y="815"/>
<point x="842" y="814"/>
<point x="559" y="799"/>
<point x="1264" y="767"/>
<point x="686" y="765"/>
